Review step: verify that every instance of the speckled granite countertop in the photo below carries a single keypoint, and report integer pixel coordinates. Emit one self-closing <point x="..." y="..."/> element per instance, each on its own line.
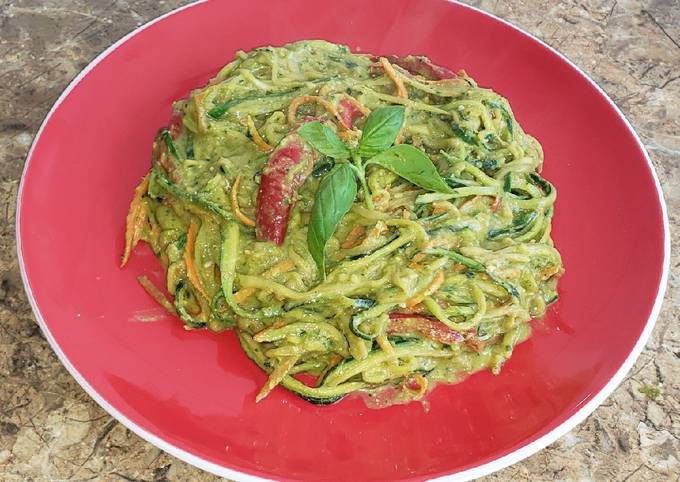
<point x="51" y="430"/>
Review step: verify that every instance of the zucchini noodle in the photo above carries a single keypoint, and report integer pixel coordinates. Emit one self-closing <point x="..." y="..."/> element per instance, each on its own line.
<point x="420" y="287"/>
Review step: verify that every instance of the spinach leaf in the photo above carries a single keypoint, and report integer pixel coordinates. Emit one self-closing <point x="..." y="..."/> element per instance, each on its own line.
<point x="504" y="112"/>
<point x="466" y="135"/>
<point x="220" y="109"/>
<point x="334" y="198"/>
<point x="520" y="224"/>
<point x="324" y="139"/>
<point x="484" y="164"/>
<point x="381" y="129"/>
<point x="459" y="258"/>
<point x="413" y="165"/>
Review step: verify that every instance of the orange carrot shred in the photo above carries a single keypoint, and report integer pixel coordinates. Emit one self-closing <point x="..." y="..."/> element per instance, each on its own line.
<point x="257" y="138"/>
<point x="429" y="289"/>
<point x="189" y="247"/>
<point x="234" y="204"/>
<point x="469" y="201"/>
<point x="353" y="236"/>
<point x="307" y="99"/>
<point x="390" y="72"/>
<point x="362" y="108"/>
<point x="135" y="220"/>
<point x="495" y="204"/>
<point x="281" y="267"/>
<point x="156" y="294"/>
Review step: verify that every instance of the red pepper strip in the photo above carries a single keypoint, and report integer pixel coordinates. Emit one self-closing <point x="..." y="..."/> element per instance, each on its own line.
<point x="348" y="112"/>
<point x="494" y="205"/>
<point x="425" y="325"/>
<point x="473" y="342"/>
<point x="175" y="126"/>
<point x="413" y="384"/>
<point x="288" y="167"/>
<point x="421" y="65"/>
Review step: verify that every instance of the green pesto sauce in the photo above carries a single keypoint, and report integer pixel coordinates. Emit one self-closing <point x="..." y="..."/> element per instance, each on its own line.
<point x="471" y="136"/>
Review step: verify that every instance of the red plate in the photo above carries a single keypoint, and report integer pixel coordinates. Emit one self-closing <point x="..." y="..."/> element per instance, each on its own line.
<point x="192" y="394"/>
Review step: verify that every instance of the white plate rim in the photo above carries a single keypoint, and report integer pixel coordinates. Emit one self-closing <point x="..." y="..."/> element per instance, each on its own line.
<point x="465" y="475"/>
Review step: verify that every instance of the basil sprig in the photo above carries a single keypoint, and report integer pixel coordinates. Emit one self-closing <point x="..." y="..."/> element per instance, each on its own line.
<point x="334" y="198"/>
<point x="338" y="189"/>
<point x="324" y="140"/>
<point x="413" y="165"/>
<point x="381" y="130"/>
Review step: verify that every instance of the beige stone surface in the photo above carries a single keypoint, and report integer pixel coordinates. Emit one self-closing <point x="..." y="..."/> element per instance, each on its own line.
<point x="51" y="430"/>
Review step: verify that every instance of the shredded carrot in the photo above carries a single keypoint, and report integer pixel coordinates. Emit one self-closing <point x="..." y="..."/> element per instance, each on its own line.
<point x="390" y="72"/>
<point x="379" y="228"/>
<point x="415" y="261"/>
<point x="281" y="267"/>
<point x="276" y="376"/>
<point x="494" y="205"/>
<point x="438" y="210"/>
<point x="419" y="257"/>
<point x="308" y="99"/>
<point x="135" y="220"/>
<point x="257" y="138"/>
<point x="189" y="247"/>
<point x="445" y="206"/>
<point x="353" y="236"/>
<point x="472" y="200"/>
<point x="234" y="204"/>
<point x="362" y="108"/>
<point x="156" y="294"/>
<point x="429" y="289"/>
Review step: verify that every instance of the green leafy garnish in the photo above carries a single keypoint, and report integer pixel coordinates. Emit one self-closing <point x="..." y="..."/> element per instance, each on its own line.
<point x="324" y="139"/>
<point x="459" y="258"/>
<point x="520" y="224"/>
<point x="167" y="138"/>
<point x="413" y="165"/>
<point x="333" y="199"/>
<point x="338" y="188"/>
<point x="504" y="112"/>
<point x="381" y="129"/>
<point x="464" y="134"/>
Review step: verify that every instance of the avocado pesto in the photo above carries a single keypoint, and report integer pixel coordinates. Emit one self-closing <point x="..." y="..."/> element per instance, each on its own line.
<point x="376" y="224"/>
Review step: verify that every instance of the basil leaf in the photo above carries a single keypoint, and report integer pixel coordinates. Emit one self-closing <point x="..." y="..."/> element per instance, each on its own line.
<point x="335" y="196"/>
<point x="323" y="139"/>
<point x="381" y="129"/>
<point x="413" y="165"/>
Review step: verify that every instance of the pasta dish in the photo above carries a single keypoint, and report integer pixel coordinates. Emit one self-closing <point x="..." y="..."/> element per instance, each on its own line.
<point x="364" y="224"/>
